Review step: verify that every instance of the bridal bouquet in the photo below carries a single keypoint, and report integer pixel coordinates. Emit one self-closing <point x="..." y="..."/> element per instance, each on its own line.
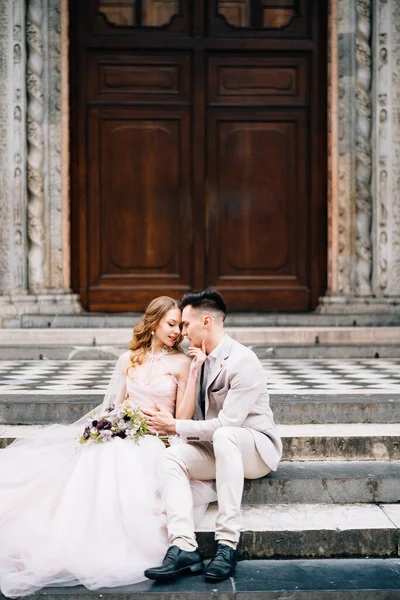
<point x="121" y="420"/>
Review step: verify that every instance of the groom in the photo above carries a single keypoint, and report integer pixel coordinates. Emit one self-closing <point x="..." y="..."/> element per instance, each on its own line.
<point x="231" y="437"/>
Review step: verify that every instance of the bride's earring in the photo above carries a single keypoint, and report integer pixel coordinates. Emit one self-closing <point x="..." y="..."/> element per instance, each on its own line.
<point x="152" y="333"/>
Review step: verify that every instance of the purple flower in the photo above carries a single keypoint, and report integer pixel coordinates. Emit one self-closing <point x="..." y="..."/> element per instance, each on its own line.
<point x="104" y="424"/>
<point x="121" y="434"/>
<point x="94" y="423"/>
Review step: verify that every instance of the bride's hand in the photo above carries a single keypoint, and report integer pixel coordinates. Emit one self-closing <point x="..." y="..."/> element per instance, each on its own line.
<point x="159" y="420"/>
<point x="198" y="357"/>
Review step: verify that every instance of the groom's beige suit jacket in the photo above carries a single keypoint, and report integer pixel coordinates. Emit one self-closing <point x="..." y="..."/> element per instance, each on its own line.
<point x="236" y="396"/>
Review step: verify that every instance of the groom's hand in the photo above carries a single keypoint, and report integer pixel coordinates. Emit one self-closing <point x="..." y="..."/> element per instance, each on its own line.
<point x="198" y="357"/>
<point x="159" y="420"/>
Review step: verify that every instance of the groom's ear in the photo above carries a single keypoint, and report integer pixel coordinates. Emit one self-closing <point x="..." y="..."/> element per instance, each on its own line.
<point x="207" y="320"/>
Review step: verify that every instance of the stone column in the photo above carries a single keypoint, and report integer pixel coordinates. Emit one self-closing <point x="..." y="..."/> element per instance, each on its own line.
<point x="363" y="173"/>
<point x="13" y="276"/>
<point x="35" y="131"/>
<point x="386" y="164"/>
<point x="34" y="215"/>
<point x="5" y="191"/>
<point x="363" y="229"/>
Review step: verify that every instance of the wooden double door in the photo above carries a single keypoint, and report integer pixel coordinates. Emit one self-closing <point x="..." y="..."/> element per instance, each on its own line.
<point x="198" y="151"/>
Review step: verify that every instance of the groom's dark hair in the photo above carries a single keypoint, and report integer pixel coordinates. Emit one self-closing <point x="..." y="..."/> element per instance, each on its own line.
<point x="206" y="300"/>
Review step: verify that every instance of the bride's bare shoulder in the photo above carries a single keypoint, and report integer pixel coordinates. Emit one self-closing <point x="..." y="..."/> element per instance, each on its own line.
<point x="180" y="358"/>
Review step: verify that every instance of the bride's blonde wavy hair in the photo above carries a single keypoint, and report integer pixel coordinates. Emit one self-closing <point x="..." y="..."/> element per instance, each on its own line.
<point x="142" y="332"/>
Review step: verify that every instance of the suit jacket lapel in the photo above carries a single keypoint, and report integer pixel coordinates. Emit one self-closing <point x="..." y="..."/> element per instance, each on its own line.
<point x="218" y="365"/>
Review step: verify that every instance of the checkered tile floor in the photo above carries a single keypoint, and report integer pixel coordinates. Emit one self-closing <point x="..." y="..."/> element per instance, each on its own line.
<point x="290" y="377"/>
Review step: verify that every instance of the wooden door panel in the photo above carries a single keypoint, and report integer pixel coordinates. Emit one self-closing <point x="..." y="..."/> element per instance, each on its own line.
<point x="258" y="81"/>
<point x="139" y="79"/>
<point x="139" y="203"/>
<point x="258" y="205"/>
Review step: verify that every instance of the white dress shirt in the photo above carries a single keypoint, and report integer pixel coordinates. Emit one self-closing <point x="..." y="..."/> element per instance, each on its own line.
<point x="209" y="362"/>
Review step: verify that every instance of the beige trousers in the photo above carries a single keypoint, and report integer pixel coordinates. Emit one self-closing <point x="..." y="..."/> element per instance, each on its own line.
<point x="231" y="457"/>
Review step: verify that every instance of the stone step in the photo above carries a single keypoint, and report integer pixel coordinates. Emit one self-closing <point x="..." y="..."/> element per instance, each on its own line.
<point x="306" y="443"/>
<point x="308" y="480"/>
<point x="341" y="441"/>
<point x="351" y="408"/>
<point x="121" y="320"/>
<point x="326" y="482"/>
<point x="28" y="407"/>
<point x="269" y="351"/>
<point x="288" y="342"/>
<point x="257" y="336"/>
<point x="304" y="579"/>
<point x="311" y="531"/>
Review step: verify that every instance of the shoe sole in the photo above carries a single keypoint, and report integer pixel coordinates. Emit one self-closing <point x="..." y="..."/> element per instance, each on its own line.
<point x="195" y="569"/>
<point x="215" y="578"/>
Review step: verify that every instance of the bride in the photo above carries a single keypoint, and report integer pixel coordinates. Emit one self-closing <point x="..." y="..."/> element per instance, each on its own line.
<point x="92" y="514"/>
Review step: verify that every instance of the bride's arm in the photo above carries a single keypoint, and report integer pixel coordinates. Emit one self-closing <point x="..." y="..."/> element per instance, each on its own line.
<point x="187" y="380"/>
<point x="186" y="395"/>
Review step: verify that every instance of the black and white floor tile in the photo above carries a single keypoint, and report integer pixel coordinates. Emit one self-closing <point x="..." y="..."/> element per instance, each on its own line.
<point x="333" y="376"/>
<point x="86" y="377"/>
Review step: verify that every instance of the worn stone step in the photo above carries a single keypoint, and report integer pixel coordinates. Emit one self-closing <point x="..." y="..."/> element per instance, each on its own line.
<point x="121" y="320"/>
<point x="327" y="482"/>
<point x="351" y="408"/>
<point x="310" y="482"/>
<point x="340" y="442"/>
<point x="311" y="531"/>
<point x="90" y="340"/>
<point x="247" y="335"/>
<point x="108" y="352"/>
<point x="312" y="579"/>
<point x="27" y="407"/>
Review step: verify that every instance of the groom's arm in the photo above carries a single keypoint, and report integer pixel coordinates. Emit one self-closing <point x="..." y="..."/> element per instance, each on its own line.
<point x="246" y="385"/>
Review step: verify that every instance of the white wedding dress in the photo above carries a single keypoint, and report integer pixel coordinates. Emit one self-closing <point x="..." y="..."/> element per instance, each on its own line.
<point x="87" y="514"/>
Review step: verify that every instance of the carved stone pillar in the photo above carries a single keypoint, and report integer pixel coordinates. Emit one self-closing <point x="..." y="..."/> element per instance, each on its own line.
<point x="363" y="149"/>
<point x="5" y="192"/>
<point x="36" y="100"/>
<point x="364" y="207"/>
<point x="386" y="188"/>
<point x="18" y="153"/>
<point x="34" y="210"/>
<point x="13" y="276"/>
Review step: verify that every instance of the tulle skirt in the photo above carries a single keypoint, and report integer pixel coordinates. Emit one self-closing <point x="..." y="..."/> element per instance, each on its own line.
<point x="81" y="514"/>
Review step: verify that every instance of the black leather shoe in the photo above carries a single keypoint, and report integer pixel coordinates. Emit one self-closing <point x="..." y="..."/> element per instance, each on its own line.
<point x="176" y="563"/>
<point x="223" y="564"/>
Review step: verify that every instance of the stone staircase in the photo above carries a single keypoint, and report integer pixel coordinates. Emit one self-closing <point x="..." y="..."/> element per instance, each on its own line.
<point x="268" y="342"/>
<point x="326" y="525"/>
